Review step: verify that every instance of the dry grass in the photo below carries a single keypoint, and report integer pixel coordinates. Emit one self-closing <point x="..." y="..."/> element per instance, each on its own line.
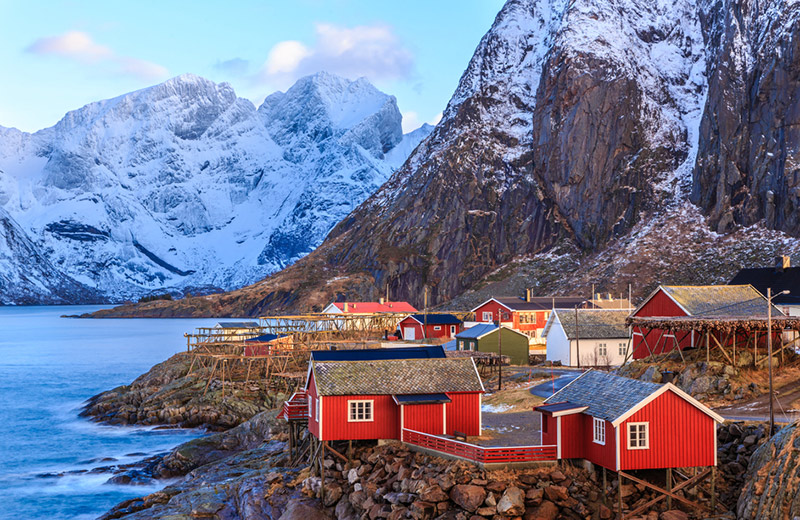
<point x="515" y="397"/>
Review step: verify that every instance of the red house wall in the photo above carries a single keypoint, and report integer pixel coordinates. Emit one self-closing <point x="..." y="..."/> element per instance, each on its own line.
<point x="660" y="305"/>
<point x="464" y="413"/>
<point x="549" y="437"/>
<point x="601" y="454"/>
<point x="681" y="436"/>
<point x="431" y="329"/>
<point x="425" y="418"/>
<point x="572" y="436"/>
<point x="335" y="426"/>
<point x="493" y="307"/>
<point x="313" y="425"/>
<point x="513" y="317"/>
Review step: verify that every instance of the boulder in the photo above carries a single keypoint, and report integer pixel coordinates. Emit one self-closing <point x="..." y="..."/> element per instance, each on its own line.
<point x="303" y="509"/>
<point x="512" y="503"/>
<point x="673" y="514"/>
<point x="467" y="496"/>
<point x="545" y="511"/>
<point x="433" y="494"/>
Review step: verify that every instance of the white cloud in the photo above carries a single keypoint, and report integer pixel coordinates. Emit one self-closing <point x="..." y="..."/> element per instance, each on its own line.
<point x="79" y="46"/>
<point x="412" y="121"/>
<point x="373" y="51"/>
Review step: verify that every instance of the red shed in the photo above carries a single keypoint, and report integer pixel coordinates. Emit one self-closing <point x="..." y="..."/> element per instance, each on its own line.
<point x="701" y="301"/>
<point x="376" y="399"/>
<point x="626" y="424"/>
<point x="435" y="325"/>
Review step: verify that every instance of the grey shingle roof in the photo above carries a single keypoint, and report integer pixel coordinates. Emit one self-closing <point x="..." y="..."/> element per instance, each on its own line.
<point x="396" y="376"/>
<point x="539" y="303"/>
<point x="238" y="325"/>
<point x="593" y="323"/>
<point x="607" y="396"/>
<point x="720" y="300"/>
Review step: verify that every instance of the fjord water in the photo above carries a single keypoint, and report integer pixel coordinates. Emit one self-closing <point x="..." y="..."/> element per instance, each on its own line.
<point x="48" y="367"/>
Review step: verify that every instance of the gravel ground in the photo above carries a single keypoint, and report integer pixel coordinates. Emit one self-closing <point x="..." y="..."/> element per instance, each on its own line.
<point x="511" y="429"/>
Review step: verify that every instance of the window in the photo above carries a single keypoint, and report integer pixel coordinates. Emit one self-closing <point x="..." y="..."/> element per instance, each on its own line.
<point x="437" y="327"/>
<point x="316" y="409"/>
<point x="360" y="411"/>
<point x="599" y="431"/>
<point x="487" y="316"/>
<point x="622" y="349"/>
<point x="452" y="330"/>
<point x="602" y="349"/>
<point x="638" y="436"/>
<point x="461" y="344"/>
<point x="533" y="318"/>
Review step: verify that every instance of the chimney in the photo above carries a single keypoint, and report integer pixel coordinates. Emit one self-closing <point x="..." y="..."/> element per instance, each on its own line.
<point x="528" y="295"/>
<point x="381" y="300"/>
<point x="782" y="262"/>
<point x="345" y="307"/>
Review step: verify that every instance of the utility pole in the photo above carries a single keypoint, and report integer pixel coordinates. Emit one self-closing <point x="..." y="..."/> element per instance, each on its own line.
<point x="500" y="349"/>
<point x="769" y="361"/>
<point x="577" y="338"/>
<point x="425" y="315"/>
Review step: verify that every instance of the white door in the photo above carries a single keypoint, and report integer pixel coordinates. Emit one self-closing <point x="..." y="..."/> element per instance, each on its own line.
<point x="408" y="333"/>
<point x="452" y="330"/>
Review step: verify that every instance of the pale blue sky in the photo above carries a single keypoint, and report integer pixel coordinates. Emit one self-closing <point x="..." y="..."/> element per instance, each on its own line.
<point x="58" y="55"/>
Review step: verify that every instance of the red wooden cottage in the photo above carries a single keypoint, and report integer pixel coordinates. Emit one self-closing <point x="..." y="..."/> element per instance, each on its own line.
<point x="527" y="315"/>
<point x="368" y="307"/>
<point x="702" y="302"/>
<point x="434" y="325"/>
<point x="626" y="424"/>
<point x="377" y="399"/>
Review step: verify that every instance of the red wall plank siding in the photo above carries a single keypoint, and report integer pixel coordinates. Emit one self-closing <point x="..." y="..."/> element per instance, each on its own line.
<point x="573" y="436"/>
<point x="336" y="427"/>
<point x="443" y="332"/>
<point x="494" y="308"/>
<point x="425" y="418"/>
<point x="549" y="437"/>
<point x="680" y="436"/>
<point x="600" y="454"/>
<point x="513" y="317"/>
<point x="464" y="413"/>
<point x="660" y="305"/>
<point x="313" y="425"/>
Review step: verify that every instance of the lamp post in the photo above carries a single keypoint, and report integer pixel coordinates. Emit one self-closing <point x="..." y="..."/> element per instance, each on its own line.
<point x="770" y="296"/>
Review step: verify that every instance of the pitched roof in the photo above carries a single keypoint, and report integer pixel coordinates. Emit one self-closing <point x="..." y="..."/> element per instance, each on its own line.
<point x="592" y="323"/>
<point x="396" y="376"/>
<point x="374" y="354"/>
<point x="238" y="325"/>
<point x="762" y="278"/>
<point x="536" y="303"/>
<point x="607" y="396"/>
<point x="477" y="331"/>
<point x="374" y="307"/>
<point x="719" y="300"/>
<point x="265" y="338"/>
<point x="437" y="319"/>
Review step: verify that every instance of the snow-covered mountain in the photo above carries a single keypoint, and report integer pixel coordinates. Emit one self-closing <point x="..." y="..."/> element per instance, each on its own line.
<point x="184" y="186"/>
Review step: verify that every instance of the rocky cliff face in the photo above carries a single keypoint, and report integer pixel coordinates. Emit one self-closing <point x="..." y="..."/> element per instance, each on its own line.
<point x="746" y="168"/>
<point x="186" y="187"/>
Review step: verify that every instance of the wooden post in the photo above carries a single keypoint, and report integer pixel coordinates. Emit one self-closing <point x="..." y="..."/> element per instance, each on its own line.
<point x="755" y="348"/>
<point x="735" y="332"/>
<point x="619" y="492"/>
<point x="350" y="445"/>
<point x="708" y="350"/>
<point x="605" y="486"/>
<point x="713" y="491"/>
<point x="322" y="472"/>
<point x="669" y="487"/>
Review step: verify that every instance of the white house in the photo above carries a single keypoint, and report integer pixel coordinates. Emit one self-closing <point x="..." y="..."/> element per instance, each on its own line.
<point x="599" y="337"/>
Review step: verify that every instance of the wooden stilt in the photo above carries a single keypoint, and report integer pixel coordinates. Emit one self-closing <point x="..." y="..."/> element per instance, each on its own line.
<point x="605" y="486"/>
<point x="708" y="349"/>
<point x="322" y="472"/>
<point x="619" y="493"/>
<point x="350" y="450"/>
<point x="713" y="486"/>
<point x="669" y="487"/>
<point x="735" y="333"/>
<point x="211" y="376"/>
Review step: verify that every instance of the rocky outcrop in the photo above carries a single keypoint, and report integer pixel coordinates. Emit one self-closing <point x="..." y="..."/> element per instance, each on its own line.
<point x="745" y="170"/>
<point x="168" y="395"/>
<point x="772" y="479"/>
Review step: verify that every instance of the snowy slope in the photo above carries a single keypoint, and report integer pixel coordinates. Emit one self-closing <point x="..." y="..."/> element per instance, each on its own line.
<point x="185" y="186"/>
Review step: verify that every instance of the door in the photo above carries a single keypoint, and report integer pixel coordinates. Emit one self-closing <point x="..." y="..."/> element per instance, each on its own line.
<point x="452" y="330"/>
<point x="408" y="333"/>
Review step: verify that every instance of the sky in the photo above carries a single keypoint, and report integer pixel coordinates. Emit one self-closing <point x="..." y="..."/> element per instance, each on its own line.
<point x="58" y="55"/>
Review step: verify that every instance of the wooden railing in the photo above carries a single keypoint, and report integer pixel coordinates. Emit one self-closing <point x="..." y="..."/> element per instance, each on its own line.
<point x="480" y="454"/>
<point x="296" y="408"/>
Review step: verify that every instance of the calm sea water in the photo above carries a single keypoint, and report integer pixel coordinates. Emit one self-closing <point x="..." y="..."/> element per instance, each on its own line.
<point x="48" y="367"/>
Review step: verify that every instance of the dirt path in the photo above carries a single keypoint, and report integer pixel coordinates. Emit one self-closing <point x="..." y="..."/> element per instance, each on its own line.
<point x="757" y="409"/>
<point x="511" y="429"/>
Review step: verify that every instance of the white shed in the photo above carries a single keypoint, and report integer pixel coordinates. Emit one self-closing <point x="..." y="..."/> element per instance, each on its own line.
<point x="599" y="337"/>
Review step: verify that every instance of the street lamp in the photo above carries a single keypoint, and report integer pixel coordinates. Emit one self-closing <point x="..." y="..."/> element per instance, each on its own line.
<point x="770" y="296"/>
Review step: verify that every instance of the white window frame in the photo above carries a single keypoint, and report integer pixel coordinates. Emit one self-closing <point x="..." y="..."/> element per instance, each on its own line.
<point x="623" y="348"/>
<point x="598" y="431"/>
<point x="316" y="409"/>
<point x="488" y="316"/>
<point x="367" y="417"/>
<point x="637" y="425"/>
<point x="437" y="327"/>
<point x="602" y="349"/>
